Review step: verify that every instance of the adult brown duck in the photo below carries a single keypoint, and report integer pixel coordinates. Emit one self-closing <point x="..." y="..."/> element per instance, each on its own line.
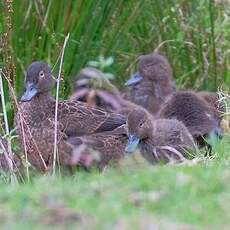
<point x="162" y="140"/>
<point x="35" y="119"/>
<point x="152" y="84"/>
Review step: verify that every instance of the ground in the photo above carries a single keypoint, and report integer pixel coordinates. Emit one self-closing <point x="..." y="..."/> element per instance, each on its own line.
<point x="134" y="195"/>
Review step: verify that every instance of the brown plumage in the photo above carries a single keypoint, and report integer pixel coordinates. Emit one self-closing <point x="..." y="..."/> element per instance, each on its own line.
<point x="194" y="112"/>
<point x="36" y="116"/>
<point x="92" y="87"/>
<point x="152" y="84"/>
<point x="160" y="140"/>
<point x="110" y="145"/>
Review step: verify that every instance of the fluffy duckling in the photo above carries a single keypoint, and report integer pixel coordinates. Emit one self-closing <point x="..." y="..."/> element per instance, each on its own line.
<point x="160" y="140"/>
<point x="92" y="87"/>
<point x="196" y="114"/>
<point x="35" y="119"/>
<point x="152" y="84"/>
<point x="107" y="96"/>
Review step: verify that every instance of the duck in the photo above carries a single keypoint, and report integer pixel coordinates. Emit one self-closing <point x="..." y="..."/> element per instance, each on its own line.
<point x="152" y="84"/>
<point x="35" y="119"/>
<point x="92" y="86"/>
<point x="110" y="146"/>
<point x="107" y="96"/>
<point x="196" y="114"/>
<point x="160" y="140"/>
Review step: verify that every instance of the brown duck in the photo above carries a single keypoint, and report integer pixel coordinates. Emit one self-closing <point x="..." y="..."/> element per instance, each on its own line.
<point x="196" y="114"/>
<point x="92" y="87"/>
<point x="35" y="119"/>
<point x="160" y="140"/>
<point x="152" y="84"/>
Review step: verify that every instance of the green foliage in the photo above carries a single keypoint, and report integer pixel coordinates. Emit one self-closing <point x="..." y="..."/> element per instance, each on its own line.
<point x="193" y="34"/>
<point x="102" y="64"/>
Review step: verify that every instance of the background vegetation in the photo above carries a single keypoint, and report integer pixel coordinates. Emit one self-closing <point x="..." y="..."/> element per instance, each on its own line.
<point x="194" y="35"/>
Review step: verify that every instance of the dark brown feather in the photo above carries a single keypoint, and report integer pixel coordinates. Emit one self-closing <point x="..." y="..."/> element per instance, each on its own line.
<point x="110" y="145"/>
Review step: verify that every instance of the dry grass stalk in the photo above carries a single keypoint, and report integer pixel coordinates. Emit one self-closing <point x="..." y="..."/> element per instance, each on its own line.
<point x="171" y="41"/>
<point x="8" y="42"/>
<point x="224" y="98"/>
<point x="10" y="157"/>
<point x="56" y="104"/>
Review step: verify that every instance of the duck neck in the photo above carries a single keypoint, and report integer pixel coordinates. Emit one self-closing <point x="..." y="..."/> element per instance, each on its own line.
<point x="44" y="100"/>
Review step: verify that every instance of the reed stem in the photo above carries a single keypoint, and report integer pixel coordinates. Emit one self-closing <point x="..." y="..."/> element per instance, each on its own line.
<point x="56" y="105"/>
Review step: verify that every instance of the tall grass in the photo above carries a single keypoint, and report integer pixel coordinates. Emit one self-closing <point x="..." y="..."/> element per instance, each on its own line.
<point x="194" y="35"/>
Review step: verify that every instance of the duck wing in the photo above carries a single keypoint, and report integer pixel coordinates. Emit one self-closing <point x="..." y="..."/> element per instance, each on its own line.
<point x="110" y="145"/>
<point x="80" y="119"/>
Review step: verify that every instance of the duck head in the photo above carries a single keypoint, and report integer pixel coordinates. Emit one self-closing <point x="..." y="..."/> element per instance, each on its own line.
<point x="139" y="128"/>
<point x="153" y="67"/>
<point x="39" y="79"/>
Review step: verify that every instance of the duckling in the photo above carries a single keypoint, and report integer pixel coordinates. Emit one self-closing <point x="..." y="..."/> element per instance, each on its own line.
<point x="152" y="84"/>
<point x="196" y="114"/>
<point x="35" y="119"/>
<point x="92" y="87"/>
<point x="107" y="96"/>
<point x="160" y="140"/>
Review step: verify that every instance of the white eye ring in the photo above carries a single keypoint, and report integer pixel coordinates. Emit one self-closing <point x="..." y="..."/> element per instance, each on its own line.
<point x="41" y="74"/>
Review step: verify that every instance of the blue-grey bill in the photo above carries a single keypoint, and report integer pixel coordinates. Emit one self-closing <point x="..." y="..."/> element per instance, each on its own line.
<point x="29" y="93"/>
<point x="136" y="78"/>
<point x="132" y="144"/>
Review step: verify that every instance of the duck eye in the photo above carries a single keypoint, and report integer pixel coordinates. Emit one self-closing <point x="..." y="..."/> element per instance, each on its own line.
<point x="141" y="124"/>
<point x="41" y="74"/>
